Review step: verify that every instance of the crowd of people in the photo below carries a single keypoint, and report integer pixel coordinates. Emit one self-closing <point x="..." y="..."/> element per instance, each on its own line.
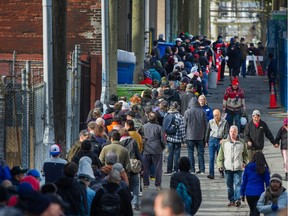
<point x="123" y="147"/>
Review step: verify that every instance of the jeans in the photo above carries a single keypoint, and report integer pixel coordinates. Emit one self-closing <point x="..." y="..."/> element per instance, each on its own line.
<point x="134" y="188"/>
<point x="148" y="160"/>
<point x="233" y="178"/>
<point x="231" y="117"/>
<point x="223" y="62"/>
<point x="252" y="202"/>
<point x="214" y="146"/>
<point x="243" y="67"/>
<point x="174" y="155"/>
<point x="200" y="148"/>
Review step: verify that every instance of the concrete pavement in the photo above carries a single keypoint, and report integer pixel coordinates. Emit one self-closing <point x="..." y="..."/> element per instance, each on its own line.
<point x="214" y="192"/>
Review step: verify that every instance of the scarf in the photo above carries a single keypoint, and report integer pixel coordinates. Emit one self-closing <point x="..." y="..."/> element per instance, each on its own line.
<point x="273" y="196"/>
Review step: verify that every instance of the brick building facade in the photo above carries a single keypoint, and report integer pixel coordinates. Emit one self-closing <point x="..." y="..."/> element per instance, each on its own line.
<point x="21" y="26"/>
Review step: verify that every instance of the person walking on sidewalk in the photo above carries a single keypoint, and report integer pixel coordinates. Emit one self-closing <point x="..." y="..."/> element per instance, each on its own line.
<point x="232" y="158"/>
<point x="174" y="141"/>
<point x="195" y="123"/>
<point x="282" y="135"/>
<point x="254" y="134"/>
<point x="274" y="199"/>
<point x="234" y="104"/>
<point x="154" y="144"/>
<point x="255" y="175"/>
<point x="190" y="181"/>
<point x="217" y="129"/>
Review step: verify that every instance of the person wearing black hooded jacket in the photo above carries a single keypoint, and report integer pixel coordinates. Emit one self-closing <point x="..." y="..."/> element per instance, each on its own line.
<point x="190" y="181"/>
<point x="86" y="151"/>
<point x="72" y="191"/>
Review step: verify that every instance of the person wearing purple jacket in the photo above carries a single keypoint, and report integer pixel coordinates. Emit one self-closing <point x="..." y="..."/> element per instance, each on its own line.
<point x="256" y="174"/>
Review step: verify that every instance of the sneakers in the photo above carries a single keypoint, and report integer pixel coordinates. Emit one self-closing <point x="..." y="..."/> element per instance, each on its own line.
<point x="210" y="177"/>
<point x="238" y="203"/>
<point x="167" y="173"/>
<point x="231" y="203"/>
<point x="200" y="172"/>
<point x="159" y="188"/>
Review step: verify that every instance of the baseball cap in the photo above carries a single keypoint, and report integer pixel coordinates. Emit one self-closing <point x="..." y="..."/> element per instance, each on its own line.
<point x="256" y="112"/>
<point x="16" y="170"/>
<point x="55" y="150"/>
<point x="34" y="172"/>
<point x="179" y="39"/>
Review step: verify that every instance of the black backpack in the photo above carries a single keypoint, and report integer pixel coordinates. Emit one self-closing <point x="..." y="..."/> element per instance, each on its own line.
<point x="110" y="203"/>
<point x="169" y="124"/>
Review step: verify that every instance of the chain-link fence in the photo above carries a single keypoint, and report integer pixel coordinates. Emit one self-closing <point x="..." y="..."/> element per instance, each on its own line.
<point x="22" y="110"/>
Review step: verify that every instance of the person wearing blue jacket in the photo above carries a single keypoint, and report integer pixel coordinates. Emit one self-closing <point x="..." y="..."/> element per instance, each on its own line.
<point x="208" y="111"/>
<point x="273" y="201"/>
<point x="256" y="174"/>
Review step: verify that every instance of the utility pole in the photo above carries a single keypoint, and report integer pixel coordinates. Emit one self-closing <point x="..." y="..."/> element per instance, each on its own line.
<point x="174" y="19"/>
<point x="48" y="138"/>
<point x="168" y="21"/>
<point x="194" y="17"/>
<point x="59" y="11"/>
<point x="113" y="45"/>
<point x="205" y="18"/>
<point x="138" y="36"/>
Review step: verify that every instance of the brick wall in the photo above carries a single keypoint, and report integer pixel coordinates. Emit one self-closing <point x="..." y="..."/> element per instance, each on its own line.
<point x="21" y="26"/>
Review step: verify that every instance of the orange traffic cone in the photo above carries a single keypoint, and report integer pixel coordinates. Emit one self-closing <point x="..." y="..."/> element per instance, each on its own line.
<point x="273" y="103"/>
<point x="259" y="68"/>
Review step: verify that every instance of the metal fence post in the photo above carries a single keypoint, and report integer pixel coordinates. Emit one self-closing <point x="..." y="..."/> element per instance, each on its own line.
<point x="77" y="87"/>
<point x="26" y="123"/>
<point x="2" y="127"/>
<point x="69" y="111"/>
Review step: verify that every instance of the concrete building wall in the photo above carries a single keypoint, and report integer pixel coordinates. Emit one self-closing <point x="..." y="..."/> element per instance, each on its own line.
<point x="160" y="18"/>
<point x="21" y="26"/>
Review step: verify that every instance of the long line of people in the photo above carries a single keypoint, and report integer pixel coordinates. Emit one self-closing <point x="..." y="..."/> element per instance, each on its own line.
<point x="99" y="176"/>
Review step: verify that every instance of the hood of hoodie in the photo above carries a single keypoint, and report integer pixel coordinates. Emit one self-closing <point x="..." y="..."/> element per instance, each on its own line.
<point x="194" y="103"/>
<point x="85" y="167"/>
<point x="125" y="140"/>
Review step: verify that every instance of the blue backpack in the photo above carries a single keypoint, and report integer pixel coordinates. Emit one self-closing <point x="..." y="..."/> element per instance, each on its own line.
<point x="181" y="190"/>
<point x="169" y="124"/>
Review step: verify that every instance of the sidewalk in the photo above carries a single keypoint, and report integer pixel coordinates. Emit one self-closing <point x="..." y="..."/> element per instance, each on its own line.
<point x="214" y="192"/>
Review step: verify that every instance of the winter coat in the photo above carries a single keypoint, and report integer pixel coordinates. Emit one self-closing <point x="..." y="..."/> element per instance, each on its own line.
<point x="171" y="95"/>
<point x="179" y="137"/>
<point x="208" y="111"/>
<point x="120" y="151"/>
<point x="282" y="135"/>
<point x="231" y="155"/>
<point x="75" y="194"/>
<point x="185" y="99"/>
<point x="195" y="121"/>
<point x="125" y="202"/>
<point x="256" y="135"/>
<point x="234" y="54"/>
<point x="265" y="208"/>
<point x="233" y="100"/>
<point x="154" y="138"/>
<point x="220" y="131"/>
<point x="73" y="150"/>
<point x="192" y="185"/>
<point x="253" y="182"/>
<point x="88" y="153"/>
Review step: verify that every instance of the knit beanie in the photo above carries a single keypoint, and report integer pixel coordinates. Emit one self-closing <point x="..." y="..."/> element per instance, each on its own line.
<point x="276" y="177"/>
